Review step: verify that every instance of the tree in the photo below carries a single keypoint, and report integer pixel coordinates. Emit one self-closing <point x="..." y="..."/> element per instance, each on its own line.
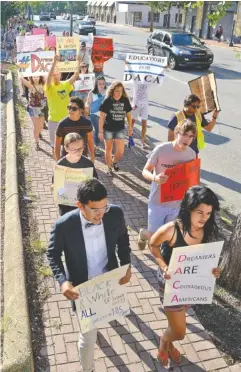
<point x="231" y="261"/>
<point x="157" y="6"/>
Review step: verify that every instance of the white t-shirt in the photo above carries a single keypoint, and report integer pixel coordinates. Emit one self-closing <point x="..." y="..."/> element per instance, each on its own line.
<point x="163" y="157"/>
<point x="140" y="95"/>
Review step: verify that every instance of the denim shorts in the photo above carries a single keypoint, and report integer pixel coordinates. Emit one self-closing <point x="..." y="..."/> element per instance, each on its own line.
<point x="114" y="135"/>
<point x="35" y="112"/>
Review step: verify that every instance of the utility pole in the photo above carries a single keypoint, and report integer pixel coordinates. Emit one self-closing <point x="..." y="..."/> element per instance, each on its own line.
<point x="234" y="21"/>
<point x="71" y="18"/>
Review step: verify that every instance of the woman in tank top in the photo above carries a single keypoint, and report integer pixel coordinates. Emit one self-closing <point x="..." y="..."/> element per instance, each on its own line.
<point x="36" y="103"/>
<point x="94" y="100"/>
<point x="195" y="224"/>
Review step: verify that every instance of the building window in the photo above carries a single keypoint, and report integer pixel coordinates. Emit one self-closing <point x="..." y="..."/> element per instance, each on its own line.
<point x="156" y="17"/>
<point x="166" y="20"/>
<point x="176" y="18"/>
<point x="137" y="16"/>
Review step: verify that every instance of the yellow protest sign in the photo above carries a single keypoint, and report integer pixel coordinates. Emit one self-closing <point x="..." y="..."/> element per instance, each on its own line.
<point x="66" y="182"/>
<point x="67" y="49"/>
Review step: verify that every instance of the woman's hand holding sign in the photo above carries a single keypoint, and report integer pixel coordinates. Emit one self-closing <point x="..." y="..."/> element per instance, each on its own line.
<point x="160" y="178"/>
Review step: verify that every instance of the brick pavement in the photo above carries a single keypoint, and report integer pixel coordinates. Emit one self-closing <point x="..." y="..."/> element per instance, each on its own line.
<point x="129" y="345"/>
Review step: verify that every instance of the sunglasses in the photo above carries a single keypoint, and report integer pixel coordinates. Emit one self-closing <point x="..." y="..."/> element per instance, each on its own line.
<point x="72" y="108"/>
<point x="83" y="66"/>
<point x="195" y="106"/>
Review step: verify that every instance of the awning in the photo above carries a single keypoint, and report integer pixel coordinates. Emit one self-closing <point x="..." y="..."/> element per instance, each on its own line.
<point x="93" y="3"/>
<point x="105" y="2"/>
<point x="89" y="2"/>
<point x="98" y="3"/>
<point x="110" y="3"/>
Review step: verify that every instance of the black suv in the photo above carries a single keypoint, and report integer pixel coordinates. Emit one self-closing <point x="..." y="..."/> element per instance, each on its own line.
<point x="52" y="15"/>
<point x="181" y="48"/>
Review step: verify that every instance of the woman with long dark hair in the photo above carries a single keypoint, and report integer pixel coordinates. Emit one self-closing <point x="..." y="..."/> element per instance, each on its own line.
<point x="195" y="224"/>
<point x="36" y="102"/>
<point x="93" y="103"/>
<point x="113" y="111"/>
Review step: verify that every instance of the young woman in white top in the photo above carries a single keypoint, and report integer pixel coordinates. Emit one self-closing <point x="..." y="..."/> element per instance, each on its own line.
<point x="36" y="103"/>
<point x="94" y="100"/>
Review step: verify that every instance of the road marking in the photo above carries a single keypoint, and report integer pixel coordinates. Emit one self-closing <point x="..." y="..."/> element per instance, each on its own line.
<point x="172" y="77"/>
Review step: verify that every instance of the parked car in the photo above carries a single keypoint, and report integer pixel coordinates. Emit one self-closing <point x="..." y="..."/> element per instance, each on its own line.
<point x="182" y="48"/>
<point x="44" y="16"/>
<point x="84" y="28"/>
<point x="90" y="19"/>
<point x="52" y="15"/>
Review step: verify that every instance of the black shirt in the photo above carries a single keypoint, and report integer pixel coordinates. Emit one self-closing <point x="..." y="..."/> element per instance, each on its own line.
<point x="115" y="113"/>
<point x="173" y="123"/>
<point x="81" y="126"/>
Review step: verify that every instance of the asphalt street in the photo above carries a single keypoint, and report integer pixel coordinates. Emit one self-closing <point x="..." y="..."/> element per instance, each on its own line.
<point x="220" y="160"/>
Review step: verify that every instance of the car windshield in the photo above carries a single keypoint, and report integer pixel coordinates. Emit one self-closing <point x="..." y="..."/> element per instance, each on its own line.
<point x="85" y="23"/>
<point x="185" y="39"/>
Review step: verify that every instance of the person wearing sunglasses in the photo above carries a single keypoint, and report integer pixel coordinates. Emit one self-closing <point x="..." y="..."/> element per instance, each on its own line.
<point x="83" y="78"/>
<point x="74" y="147"/>
<point x="94" y="239"/>
<point x="191" y="111"/>
<point x="84" y="54"/>
<point x="75" y="122"/>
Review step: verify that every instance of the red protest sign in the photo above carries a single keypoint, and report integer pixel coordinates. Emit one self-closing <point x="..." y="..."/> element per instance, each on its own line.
<point x="39" y="31"/>
<point x="180" y="178"/>
<point x="102" y="50"/>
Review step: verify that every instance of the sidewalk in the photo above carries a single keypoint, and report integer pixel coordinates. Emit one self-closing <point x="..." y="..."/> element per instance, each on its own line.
<point x="130" y="345"/>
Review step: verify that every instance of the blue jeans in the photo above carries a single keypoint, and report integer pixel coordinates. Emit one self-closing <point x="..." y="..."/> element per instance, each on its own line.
<point x="95" y="122"/>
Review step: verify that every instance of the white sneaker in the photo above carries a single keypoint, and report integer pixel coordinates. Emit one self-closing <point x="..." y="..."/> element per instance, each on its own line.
<point x="141" y="242"/>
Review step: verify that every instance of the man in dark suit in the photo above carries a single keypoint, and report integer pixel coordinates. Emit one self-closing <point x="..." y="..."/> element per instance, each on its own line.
<point x="90" y="237"/>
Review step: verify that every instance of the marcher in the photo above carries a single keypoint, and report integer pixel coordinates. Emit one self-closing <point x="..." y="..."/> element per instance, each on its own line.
<point x="163" y="157"/>
<point x="83" y="71"/>
<point x="36" y="102"/>
<point x="93" y="103"/>
<point x="74" y="147"/>
<point x="75" y="122"/>
<point x="98" y="66"/>
<point x="91" y="238"/>
<point x="57" y="93"/>
<point x="219" y="33"/>
<point x="84" y="54"/>
<point x="140" y="108"/>
<point x="190" y="111"/>
<point x="9" y="43"/>
<point x="113" y="111"/>
<point x="195" y="224"/>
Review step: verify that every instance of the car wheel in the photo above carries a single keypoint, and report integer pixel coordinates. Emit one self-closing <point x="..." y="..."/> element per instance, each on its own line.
<point x="205" y="67"/>
<point x="151" y="52"/>
<point x="172" y="62"/>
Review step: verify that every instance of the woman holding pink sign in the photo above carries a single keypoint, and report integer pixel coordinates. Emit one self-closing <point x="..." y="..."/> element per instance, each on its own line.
<point x="36" y="104"/>
<point x="194" y="225"/>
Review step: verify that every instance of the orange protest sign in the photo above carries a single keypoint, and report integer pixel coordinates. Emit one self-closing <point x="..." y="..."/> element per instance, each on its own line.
<point x="102" y="50"/>
<point x="180" y="178"/>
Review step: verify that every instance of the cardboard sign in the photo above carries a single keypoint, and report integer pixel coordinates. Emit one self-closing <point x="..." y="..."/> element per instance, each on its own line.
<point x="66" y="182"/>
<point x="102" y="51"/>
<point x="102" y="299"/>
<point x="85" y="83"/>
<point x="35" y="63"/>
<point x="205" y="87"/>
<point x="39" y="31"/>
<point x="180" y="178"/>
<point x="30" y="43"/>
<point x="192" y="281"/>
<point x="67" y="50"/>
<point x="50" y="42"/>
<point x="145" y="69"/>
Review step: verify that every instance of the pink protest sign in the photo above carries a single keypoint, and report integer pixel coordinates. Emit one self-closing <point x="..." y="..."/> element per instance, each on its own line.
<point x="39" y="31"/>
<point x="50" y="42"/>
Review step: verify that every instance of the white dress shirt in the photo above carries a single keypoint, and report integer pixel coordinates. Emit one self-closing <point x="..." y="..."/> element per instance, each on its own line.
<point x="95" y="246"/>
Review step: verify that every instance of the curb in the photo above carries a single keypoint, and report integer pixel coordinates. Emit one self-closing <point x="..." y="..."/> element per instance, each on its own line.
<point x="17" y="345"/>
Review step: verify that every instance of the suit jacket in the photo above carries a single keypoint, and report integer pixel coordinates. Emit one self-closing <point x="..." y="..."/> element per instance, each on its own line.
<point x="67" y="236"/>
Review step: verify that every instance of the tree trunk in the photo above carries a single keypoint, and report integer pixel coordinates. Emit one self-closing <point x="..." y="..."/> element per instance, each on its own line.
<point x="185" y="19"/>
<point x="168" y="15"/>
<point x="151" y="21"/>
<point x="178" y="16"/>
<point x="231" y="262"/>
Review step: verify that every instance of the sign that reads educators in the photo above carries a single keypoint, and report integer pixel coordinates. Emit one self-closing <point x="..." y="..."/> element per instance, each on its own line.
<point x="34" y="63"/>
<point x="67" y="50"/>
<point x="192" y="281"/>
<point x="146" y="69"/>
<point x="180" y="178"/>
<point x="102" y="299"/>
<point x="66" y="182"/>
<point x="30" y="43"/>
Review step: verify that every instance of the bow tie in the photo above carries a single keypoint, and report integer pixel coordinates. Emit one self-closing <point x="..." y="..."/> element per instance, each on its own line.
<point x="91" y="224"/>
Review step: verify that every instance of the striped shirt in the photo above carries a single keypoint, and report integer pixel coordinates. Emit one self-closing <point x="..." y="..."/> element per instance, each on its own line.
<point x="81" y="126"/>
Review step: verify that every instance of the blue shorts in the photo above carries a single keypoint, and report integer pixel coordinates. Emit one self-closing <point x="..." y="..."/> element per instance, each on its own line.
<point x="36" y="112"/>
<point x="158" y="215"/>
<point x="114" y="135"/>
